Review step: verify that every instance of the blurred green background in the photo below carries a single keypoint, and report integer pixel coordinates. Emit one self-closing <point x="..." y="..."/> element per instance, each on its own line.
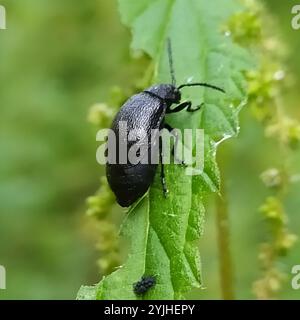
<point x="57" y="58"/>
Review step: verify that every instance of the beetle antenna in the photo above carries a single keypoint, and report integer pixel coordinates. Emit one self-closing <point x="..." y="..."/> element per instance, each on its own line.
<point x="201" y="84"/>
<point x="171" y="62"/>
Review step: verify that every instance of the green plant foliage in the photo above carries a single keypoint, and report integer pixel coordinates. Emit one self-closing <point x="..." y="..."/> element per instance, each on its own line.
<point x="266" y="102"/>
<point x="51" y="66"/>
<point x="164" y="231"/>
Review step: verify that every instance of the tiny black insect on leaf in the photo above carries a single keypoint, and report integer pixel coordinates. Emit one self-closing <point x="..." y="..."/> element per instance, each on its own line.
<point x="142" y="286"/>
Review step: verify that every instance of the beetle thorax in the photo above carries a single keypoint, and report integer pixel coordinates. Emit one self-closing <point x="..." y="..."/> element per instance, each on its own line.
<point x="167" y="92"/>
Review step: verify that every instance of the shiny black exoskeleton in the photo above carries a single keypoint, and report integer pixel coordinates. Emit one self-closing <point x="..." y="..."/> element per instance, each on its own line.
<point x="145" y="110"/>
<point x="142" y="286"/>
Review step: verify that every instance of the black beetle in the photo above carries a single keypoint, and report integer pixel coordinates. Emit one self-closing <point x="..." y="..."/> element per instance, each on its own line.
<point x="142" y="286"/>
<point x="145" y="110"/>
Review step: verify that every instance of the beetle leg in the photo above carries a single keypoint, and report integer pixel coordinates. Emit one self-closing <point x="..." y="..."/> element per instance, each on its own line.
<point x="179" y="107"/>
<point x="162" y="171"/>
<point x="190" y="109"/>
<point x="184" y="105"/>
<point x="175" y="134"/>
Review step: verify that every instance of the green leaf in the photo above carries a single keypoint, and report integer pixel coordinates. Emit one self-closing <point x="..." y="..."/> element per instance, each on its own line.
<point x="164" y="232"/>
<point x="87" y="293"/>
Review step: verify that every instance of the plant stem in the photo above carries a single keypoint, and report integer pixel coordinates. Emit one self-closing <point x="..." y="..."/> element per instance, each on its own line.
<point x="225" y="262"/>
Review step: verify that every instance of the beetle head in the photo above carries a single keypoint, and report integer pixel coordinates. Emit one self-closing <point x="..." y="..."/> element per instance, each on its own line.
<point x="166" y="92"/>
